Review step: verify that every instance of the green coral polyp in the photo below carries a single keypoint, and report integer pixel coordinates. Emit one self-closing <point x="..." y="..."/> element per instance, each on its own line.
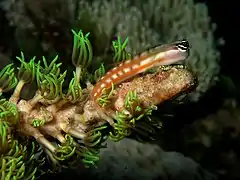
<point x="7" y="79"/>
<point x="120" y="50"/>
<point x="49" y="79"/>
<point x="125" y="121"/>
<point x="104" y="100"/>
<point x="26" y="72"/>
<point x="74" y="93"/>
<point x="82" y="53"/>
<point x="99" y="73"/>
<point x="38" y="122"/>
<point x="14" y="163"/>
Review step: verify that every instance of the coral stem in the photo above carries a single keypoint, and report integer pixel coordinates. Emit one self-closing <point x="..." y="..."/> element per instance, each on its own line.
<point x="60" y="103"/>
<point x="61" y="138"/>
<point x="35" y="99"/>
<point x="16" y="94"/>
<point x="42" y="140"/>
<point x="76" y="133"/>
<point x="78" y="73"/>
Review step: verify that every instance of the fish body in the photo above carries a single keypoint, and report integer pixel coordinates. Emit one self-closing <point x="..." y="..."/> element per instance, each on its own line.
<point x="161" y="55"/>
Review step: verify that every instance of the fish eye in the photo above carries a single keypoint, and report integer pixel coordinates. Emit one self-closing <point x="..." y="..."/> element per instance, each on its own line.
<point x="183" y="46"/>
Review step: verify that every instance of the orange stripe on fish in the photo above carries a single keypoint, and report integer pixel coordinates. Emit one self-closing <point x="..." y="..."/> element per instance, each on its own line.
<point x="161" y="55"/>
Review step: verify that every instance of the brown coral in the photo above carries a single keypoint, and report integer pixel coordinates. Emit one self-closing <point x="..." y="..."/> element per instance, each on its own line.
<point x="153" y="89"/>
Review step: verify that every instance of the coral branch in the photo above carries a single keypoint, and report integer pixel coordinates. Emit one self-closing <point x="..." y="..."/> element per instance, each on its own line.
<point x="153" y="89"/>
<point x="42" y="140"/>
<point x="16" y="94"/>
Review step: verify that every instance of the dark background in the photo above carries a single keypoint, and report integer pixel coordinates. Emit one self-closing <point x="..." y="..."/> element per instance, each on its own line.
<point x="226" y="15"/>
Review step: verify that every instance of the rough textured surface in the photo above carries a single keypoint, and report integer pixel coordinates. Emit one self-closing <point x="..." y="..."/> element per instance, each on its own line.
<point x="153" y="89"/>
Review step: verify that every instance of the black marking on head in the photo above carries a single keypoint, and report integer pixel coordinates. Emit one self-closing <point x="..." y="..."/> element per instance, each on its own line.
<point x="183" y="45"/>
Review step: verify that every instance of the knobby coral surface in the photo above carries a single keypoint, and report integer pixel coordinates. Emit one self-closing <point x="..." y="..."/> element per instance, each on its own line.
<point x="65" y="123"/>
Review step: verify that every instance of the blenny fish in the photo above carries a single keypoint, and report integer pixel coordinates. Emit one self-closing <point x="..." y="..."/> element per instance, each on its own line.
<point x="161" y="55"/>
